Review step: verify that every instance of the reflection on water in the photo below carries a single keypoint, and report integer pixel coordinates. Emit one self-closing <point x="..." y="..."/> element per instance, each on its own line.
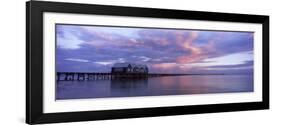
<point x="128" y="87"/>
<point x="169" y="85"/>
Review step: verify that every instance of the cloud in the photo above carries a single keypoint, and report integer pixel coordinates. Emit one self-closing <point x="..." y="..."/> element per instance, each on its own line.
<point x="246" y="64"/>
<point x="144" y="58"/>
<point x="104" y="63"/>
<point x="77" y="60"/>
<point x="68" y="37"/>
<point x="163" y="50"/>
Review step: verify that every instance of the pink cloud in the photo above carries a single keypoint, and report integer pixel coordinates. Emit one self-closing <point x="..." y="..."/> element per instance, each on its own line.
<point x="194" y="53"/>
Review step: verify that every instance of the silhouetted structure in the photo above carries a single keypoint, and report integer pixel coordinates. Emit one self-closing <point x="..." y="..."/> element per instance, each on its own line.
<point x="129" y="68"/>
<point x="118" y="71"/>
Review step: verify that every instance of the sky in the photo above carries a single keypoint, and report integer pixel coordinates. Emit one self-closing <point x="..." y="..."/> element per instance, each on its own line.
<point x="81" y="48"/>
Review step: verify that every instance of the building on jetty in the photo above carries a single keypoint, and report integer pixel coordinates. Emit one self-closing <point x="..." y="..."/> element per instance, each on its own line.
<point x="118" y="71"/>
<point x="129" y="68"/>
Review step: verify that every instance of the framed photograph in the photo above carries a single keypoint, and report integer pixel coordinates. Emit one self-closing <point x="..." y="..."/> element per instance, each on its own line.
<point x="95" y="62"/>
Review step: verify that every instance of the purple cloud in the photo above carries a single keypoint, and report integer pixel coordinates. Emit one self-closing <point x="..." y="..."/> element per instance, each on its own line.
<point x="93" y="48"/>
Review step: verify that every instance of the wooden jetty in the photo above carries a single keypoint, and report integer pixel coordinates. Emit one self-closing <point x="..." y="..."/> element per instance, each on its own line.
<point x="81" y="76"/>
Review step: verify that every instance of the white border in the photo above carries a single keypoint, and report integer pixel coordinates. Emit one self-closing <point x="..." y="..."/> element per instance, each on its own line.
<point x="52" y="106"/>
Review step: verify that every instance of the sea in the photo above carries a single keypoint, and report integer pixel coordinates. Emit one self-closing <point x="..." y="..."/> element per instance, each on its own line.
<point x="154" y="86"/>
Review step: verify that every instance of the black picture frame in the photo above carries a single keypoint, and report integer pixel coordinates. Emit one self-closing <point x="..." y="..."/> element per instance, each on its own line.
<point x="34" y="61"/>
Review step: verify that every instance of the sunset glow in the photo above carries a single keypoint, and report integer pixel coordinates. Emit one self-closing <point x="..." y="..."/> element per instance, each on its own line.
<point x="97" y="48"/>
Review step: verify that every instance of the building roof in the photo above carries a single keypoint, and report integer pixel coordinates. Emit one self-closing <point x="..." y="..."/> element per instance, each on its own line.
<point x="121" y="65"/>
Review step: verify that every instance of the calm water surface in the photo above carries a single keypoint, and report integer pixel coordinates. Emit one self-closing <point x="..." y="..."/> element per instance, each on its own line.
<point x="170" y="85"/>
